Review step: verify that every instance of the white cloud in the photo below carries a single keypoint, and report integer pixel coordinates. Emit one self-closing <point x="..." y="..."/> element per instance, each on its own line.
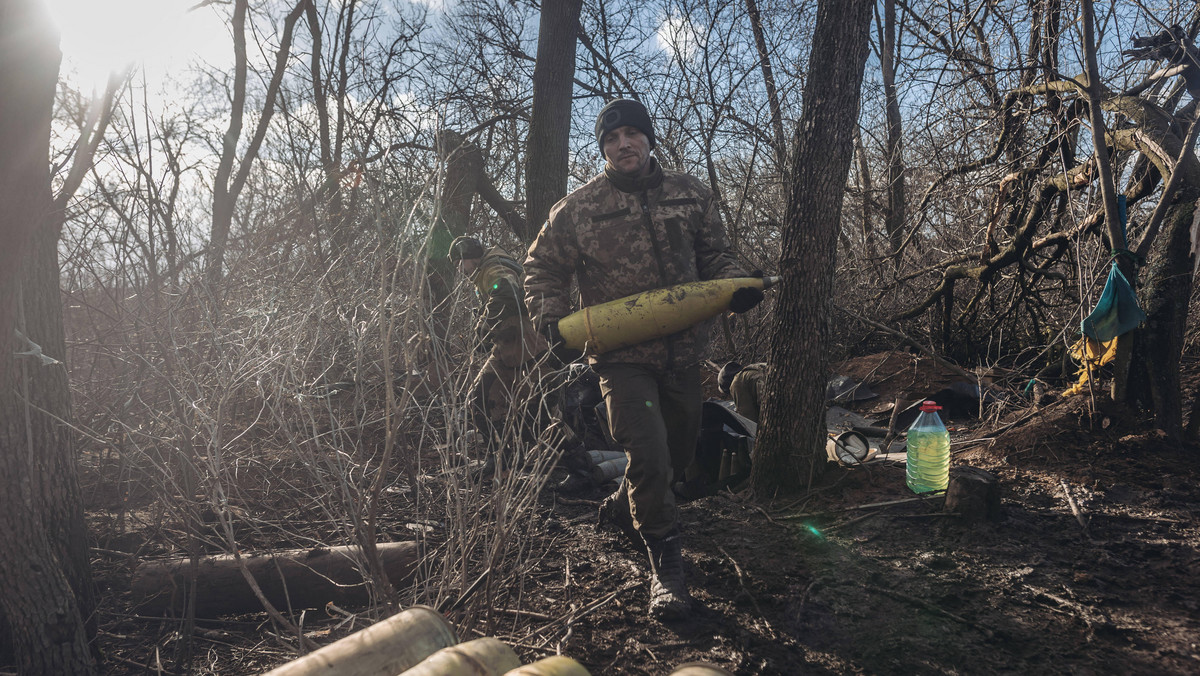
<point x="680" y="36"/>
<point x="161" y="36"/>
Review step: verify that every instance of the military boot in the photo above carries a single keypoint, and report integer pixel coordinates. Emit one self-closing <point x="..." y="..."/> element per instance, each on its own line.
<point x="669" y="598"/>
<point x="615" y="510"/>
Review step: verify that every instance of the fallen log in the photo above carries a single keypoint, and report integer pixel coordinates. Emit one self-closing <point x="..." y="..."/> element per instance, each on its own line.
<point x="385" y="648"/>
<point x="298" y="578"/>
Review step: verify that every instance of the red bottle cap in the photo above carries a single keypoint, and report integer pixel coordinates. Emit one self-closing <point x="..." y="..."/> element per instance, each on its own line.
<point x="930" y="405"/>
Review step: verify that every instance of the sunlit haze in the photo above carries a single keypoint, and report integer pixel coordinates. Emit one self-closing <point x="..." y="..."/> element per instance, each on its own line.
<point x="102" y="36"/>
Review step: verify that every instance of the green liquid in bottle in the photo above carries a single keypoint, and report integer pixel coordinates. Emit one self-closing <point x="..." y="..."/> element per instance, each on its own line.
<point x="927" y="465"/>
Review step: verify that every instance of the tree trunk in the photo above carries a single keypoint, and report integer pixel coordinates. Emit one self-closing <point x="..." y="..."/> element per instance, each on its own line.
<point x="546" y="157"/>
<point x="43" y="563"/>
<point x="1158" y="346"/>
<point x="779" y="139"/>
<point x="893" y="221"/>
<point x="228" y="183"/>
<point x="791" y="445"/>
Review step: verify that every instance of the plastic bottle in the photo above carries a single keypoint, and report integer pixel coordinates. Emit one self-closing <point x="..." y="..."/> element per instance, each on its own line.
<point x="927" y="464"/>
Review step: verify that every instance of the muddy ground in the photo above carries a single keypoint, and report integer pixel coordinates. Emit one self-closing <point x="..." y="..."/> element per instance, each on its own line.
<point x="824" y="585"/>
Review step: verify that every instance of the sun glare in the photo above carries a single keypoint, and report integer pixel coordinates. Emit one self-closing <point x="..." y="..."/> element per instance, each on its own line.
<point x="104" y="36"/>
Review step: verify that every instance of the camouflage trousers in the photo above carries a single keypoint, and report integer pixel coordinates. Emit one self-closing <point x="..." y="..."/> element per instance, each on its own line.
<point x="514" y="401"/>
<point x="654" y="415"/>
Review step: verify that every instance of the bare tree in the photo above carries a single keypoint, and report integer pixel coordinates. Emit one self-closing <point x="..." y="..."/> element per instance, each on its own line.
<point x="45" y="582"/>
<point x="228" y="184"/>
<point x="791" y="446"/>
<point x="895" y="213"/>
<point x="550" y="121"/>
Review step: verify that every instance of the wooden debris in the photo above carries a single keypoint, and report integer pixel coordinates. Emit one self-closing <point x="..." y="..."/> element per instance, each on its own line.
<point x="1083" y="522"/>
<point x="298" y="578"/>
<point x="872" y="505"/>
<point x="900" y="596"/>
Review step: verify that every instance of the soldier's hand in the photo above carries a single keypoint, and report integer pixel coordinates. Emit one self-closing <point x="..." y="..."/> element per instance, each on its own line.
<point x="745" y="298"/>
<point x="558" y="346"/>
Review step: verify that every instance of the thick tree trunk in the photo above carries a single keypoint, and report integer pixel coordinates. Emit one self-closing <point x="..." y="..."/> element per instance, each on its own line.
<point x="791" y="445"/>
<point x="546" y="167"/>
<point x="48" y="390"/>
<point x="43" y="554"/>
<point x="1158" y="347"/>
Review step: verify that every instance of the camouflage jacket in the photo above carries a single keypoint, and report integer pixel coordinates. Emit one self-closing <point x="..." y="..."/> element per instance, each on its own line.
<point x="502" y="320"/>
<point x="747" y="390"/>
<point x="619" y="236"/>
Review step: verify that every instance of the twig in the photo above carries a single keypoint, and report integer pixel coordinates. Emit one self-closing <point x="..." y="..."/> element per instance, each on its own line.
<point x="1075" y="508"/>
<point x="765" y="514"/>
<point x="523" y="613"/>
<point x="742" y="583"/>
<point x="139" y="665"/>
<point x="932" y="608"/>
<point x="575" y="501"/>
<point x="886" y="444"/>
<point x="1090" y="616"/>
<point x="851" y="522"/>
<point x="465" y="595"/>
<point x="804" y="596"/>
<point x="1155" y="519"/>
<point x="587" y="610"/>
<point x="889" y="503"/>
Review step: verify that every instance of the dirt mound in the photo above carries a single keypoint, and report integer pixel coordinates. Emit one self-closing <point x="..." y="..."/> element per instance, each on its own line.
<point x="897" y="373"/>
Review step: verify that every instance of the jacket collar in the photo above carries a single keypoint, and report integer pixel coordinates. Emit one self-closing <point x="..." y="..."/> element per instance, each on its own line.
<point x="626" y="183"/>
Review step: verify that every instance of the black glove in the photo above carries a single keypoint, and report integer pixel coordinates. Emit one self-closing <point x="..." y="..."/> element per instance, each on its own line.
<point x="745" y="298"/>
<point x="558" y="346"/>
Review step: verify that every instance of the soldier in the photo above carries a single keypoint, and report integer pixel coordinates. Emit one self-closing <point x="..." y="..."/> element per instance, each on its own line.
<point x="509" y="379"/>
<point x="743" y="384"/>
<point x="633" y="228"/>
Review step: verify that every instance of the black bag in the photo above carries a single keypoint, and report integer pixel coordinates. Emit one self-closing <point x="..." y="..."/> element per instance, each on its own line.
<point x="723" y="452"/>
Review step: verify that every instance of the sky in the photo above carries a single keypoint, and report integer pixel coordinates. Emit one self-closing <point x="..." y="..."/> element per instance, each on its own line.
<point x="100" y="36"/>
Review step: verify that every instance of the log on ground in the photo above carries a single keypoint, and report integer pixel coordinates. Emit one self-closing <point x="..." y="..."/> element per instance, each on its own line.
<point x="299" y="578"/>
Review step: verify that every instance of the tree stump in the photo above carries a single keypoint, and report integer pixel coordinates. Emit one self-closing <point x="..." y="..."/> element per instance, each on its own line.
<point x="973" y="494"/>
<point x="299" y="578"/>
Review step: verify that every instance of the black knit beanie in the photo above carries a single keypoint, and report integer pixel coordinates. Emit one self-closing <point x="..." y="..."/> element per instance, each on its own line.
<point x="620" y="113"/>
<point x="465" y="247"/>
<point x="725" y="377"/>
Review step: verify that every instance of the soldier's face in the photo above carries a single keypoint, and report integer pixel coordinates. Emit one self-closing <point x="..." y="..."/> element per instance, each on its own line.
<point x="627" y="149"/>
<point x="468" y="266"/>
